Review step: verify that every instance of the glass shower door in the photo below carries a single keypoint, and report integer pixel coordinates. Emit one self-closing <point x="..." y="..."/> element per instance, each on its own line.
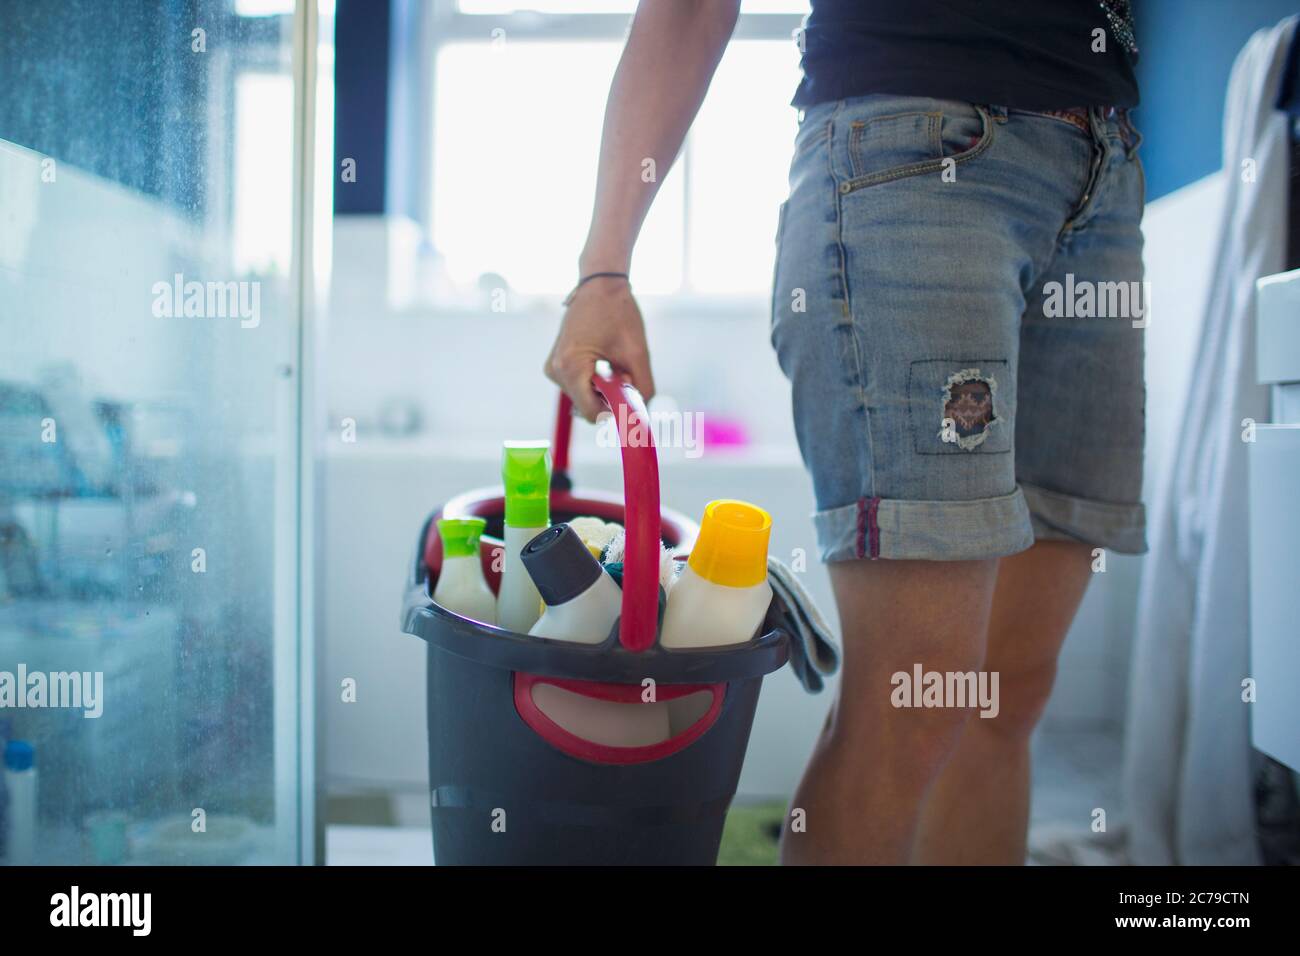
<point x="151" y="642"/>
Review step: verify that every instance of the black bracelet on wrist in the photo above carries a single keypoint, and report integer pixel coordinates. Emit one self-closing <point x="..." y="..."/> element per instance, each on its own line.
<point x="587" y="278"/>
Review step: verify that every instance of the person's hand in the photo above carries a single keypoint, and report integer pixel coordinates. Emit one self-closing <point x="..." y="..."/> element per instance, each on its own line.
<point x="602" y="321"/>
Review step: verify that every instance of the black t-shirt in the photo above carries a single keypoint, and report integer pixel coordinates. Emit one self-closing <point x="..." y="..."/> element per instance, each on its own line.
<point x="1027" y="54"/>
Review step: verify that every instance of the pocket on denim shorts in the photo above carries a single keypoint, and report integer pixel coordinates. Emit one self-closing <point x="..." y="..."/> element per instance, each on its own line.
<point x="909" y="143"/>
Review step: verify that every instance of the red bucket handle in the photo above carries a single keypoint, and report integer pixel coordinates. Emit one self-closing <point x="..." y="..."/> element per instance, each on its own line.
<point x="640" y="616"/>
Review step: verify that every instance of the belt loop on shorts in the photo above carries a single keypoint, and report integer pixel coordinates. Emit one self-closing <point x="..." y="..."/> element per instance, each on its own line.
<point x="1098" y="116"/>
<point x="999" y="113"/>
<point x="1128" y="131"/>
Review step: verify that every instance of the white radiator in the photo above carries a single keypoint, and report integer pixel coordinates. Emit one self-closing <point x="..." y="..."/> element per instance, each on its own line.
<point x="1274" y="458"/>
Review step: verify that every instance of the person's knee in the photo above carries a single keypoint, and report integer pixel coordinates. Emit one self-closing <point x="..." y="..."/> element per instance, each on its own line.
<point x="1023" y="692"/>
<point x="927" y="743"/>
<point x="905" y="623"/>
<point x="909" y="746"/>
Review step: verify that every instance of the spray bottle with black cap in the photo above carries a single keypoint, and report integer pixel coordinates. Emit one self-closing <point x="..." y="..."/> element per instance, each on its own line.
<point x="582" y="600"/>
<point x="582" y="605"/>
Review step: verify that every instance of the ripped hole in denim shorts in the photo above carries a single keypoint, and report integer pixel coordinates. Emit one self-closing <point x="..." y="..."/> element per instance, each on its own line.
<point x="968" y="408"/>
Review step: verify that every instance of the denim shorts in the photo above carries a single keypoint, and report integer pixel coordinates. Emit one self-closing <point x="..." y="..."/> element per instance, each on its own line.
<point x="959" y="307"/>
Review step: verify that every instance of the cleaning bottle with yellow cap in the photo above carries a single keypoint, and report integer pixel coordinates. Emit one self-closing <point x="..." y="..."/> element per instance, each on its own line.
<point x="526" y="473"/>
<point x="722" y="595"/>
<point x="461" y="586"/>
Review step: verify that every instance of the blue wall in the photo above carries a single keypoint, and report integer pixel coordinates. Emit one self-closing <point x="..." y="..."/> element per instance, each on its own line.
<point x="361" y="56"/>
<point x="1187" y="49"/>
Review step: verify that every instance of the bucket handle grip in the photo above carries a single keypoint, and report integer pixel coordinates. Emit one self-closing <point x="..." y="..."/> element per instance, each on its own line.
<point x="639" y="620"/>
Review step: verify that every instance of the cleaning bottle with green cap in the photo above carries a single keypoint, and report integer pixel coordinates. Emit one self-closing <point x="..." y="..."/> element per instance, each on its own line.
<point x="722" y="595"/>
<point x="461" y="586"/>
<point x="526" y="473"/>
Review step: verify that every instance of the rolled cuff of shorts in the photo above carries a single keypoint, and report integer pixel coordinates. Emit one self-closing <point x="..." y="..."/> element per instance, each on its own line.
<point x="925" y="530"/>
<point x="1059" y="517"/>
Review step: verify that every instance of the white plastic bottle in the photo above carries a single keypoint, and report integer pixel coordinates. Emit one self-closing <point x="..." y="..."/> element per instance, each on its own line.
<point x="722" y="595"/>
<point x="461" y="586"/>
<point x="582" y="600"/>
<point x="526" y="473"/>
<point x="20" y="781"/>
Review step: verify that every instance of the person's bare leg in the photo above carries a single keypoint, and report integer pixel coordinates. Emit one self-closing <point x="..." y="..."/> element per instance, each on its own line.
<point x="978" y="812"/>
<point x="862" y="791"/>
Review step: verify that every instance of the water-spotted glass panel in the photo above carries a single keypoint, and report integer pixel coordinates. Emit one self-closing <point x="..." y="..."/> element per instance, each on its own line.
<point x="149" y="429"/>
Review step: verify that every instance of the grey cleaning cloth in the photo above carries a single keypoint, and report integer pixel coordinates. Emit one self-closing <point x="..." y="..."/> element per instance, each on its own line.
<point x="813" y="651"/>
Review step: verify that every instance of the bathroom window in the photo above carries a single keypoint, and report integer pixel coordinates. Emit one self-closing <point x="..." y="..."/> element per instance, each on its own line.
<point x="518" y="95"/>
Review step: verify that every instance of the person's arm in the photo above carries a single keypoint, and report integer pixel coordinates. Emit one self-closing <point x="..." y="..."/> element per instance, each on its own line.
<point x="672" y="51"/>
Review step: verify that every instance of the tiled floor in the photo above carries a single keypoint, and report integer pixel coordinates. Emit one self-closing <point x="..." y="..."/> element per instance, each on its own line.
<point x="349" y="845"/>
<point x="1075" y="772"/>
